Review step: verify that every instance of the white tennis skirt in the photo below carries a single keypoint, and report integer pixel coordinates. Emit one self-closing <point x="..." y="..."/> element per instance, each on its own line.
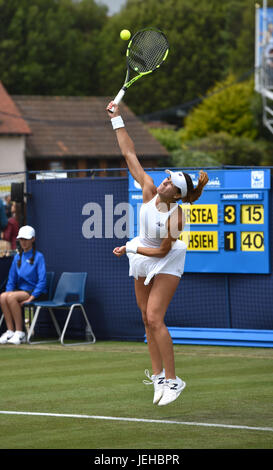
<point x="148" y="266"/>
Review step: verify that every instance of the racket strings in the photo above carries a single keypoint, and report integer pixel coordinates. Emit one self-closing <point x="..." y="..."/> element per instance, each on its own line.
<point x="147" y="51"/>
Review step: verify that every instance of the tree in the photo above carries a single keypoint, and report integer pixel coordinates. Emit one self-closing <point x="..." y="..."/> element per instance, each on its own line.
<point x="221" y="149"/>
<point x="50" y="46"/>
<point x="242" y="53"/>
<point x="221" y="130"/>
<point x="214" y="150"/>
<point x="226" y="109"/>
<point x="169" y="138"/>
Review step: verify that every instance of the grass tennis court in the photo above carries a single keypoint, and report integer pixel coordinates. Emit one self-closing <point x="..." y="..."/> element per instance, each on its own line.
<point x="225" y="386"/>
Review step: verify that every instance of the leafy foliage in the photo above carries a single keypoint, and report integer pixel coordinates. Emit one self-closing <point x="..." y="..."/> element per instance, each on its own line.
<point x="169" y="138"/>
<point x="221" y="149"/>
<point x="49" y="46"/>
<point x="215" y="149"/>
<point x="227" y="108"/>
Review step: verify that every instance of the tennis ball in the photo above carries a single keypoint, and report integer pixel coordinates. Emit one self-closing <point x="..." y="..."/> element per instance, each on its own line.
<point x="125" y="34"/>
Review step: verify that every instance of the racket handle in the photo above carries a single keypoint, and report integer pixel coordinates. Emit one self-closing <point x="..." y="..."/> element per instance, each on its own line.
<point x="118" y="99"/>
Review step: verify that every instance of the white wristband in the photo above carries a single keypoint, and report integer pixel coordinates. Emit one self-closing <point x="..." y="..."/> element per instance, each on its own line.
<point x="130" y="249"/>
<point x="117" y="122"/>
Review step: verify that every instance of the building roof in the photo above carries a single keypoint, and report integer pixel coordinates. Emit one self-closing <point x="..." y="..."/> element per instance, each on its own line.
<point x="11" y="121"/>
<point x="78" y="127"/>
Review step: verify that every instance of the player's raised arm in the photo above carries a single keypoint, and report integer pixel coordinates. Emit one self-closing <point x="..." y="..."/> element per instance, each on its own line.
<point x="127" y="149"/>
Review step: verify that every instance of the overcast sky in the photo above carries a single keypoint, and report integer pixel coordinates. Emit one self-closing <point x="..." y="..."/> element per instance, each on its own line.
<point x="113" y="5"/>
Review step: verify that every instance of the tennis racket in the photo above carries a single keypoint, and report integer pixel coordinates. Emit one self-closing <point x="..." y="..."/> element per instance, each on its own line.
<point x="146" y="51"/>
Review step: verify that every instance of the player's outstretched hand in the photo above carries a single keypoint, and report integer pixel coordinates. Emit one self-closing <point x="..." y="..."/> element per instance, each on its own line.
<point x="115" y="113"/>
<point x="119" y="250"/>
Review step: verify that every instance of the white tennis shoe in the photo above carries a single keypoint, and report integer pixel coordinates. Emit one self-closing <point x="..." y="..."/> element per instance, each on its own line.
<point x="18" y="338"/>
<point x="6" y="336"/>
<point x="158" y="382"/>
<point x="172" y="390"/>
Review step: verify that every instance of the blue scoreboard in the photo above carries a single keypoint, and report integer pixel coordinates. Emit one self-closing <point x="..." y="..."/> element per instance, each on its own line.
<point x="227" y="229"/>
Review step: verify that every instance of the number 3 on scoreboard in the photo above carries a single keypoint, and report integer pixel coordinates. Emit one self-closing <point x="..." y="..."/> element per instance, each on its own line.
<point x="230" y="214"/>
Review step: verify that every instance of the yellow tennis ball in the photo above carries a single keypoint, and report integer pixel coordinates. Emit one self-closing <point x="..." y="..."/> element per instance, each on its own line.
<point x="125" y="34"/>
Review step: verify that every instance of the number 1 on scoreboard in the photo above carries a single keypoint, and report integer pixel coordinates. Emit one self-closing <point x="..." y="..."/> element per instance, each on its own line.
<point x="230" y="241"/>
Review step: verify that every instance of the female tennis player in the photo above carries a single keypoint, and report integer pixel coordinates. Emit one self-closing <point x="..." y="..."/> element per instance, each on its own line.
<point x="157" y="258"/>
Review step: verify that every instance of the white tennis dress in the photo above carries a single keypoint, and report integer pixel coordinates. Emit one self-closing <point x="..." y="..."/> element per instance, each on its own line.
<point x="153" y="228"/>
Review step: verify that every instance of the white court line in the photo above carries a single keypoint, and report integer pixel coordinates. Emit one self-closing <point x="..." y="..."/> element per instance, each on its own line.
<point x="136" y="420"/>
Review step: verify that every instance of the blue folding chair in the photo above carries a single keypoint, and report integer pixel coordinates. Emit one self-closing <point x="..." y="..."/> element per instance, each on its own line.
<point x="49" y="285"/>
<point x="69" y="284"/>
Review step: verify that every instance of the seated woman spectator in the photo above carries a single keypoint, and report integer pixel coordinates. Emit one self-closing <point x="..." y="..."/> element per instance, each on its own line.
<point x="26" y="283"/>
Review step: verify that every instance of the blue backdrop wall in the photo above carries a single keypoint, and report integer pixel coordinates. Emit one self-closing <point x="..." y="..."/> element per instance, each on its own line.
<point x="59" y="211"/>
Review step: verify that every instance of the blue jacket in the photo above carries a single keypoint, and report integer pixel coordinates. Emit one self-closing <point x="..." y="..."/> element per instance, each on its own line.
<point x="29" y="277"/>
